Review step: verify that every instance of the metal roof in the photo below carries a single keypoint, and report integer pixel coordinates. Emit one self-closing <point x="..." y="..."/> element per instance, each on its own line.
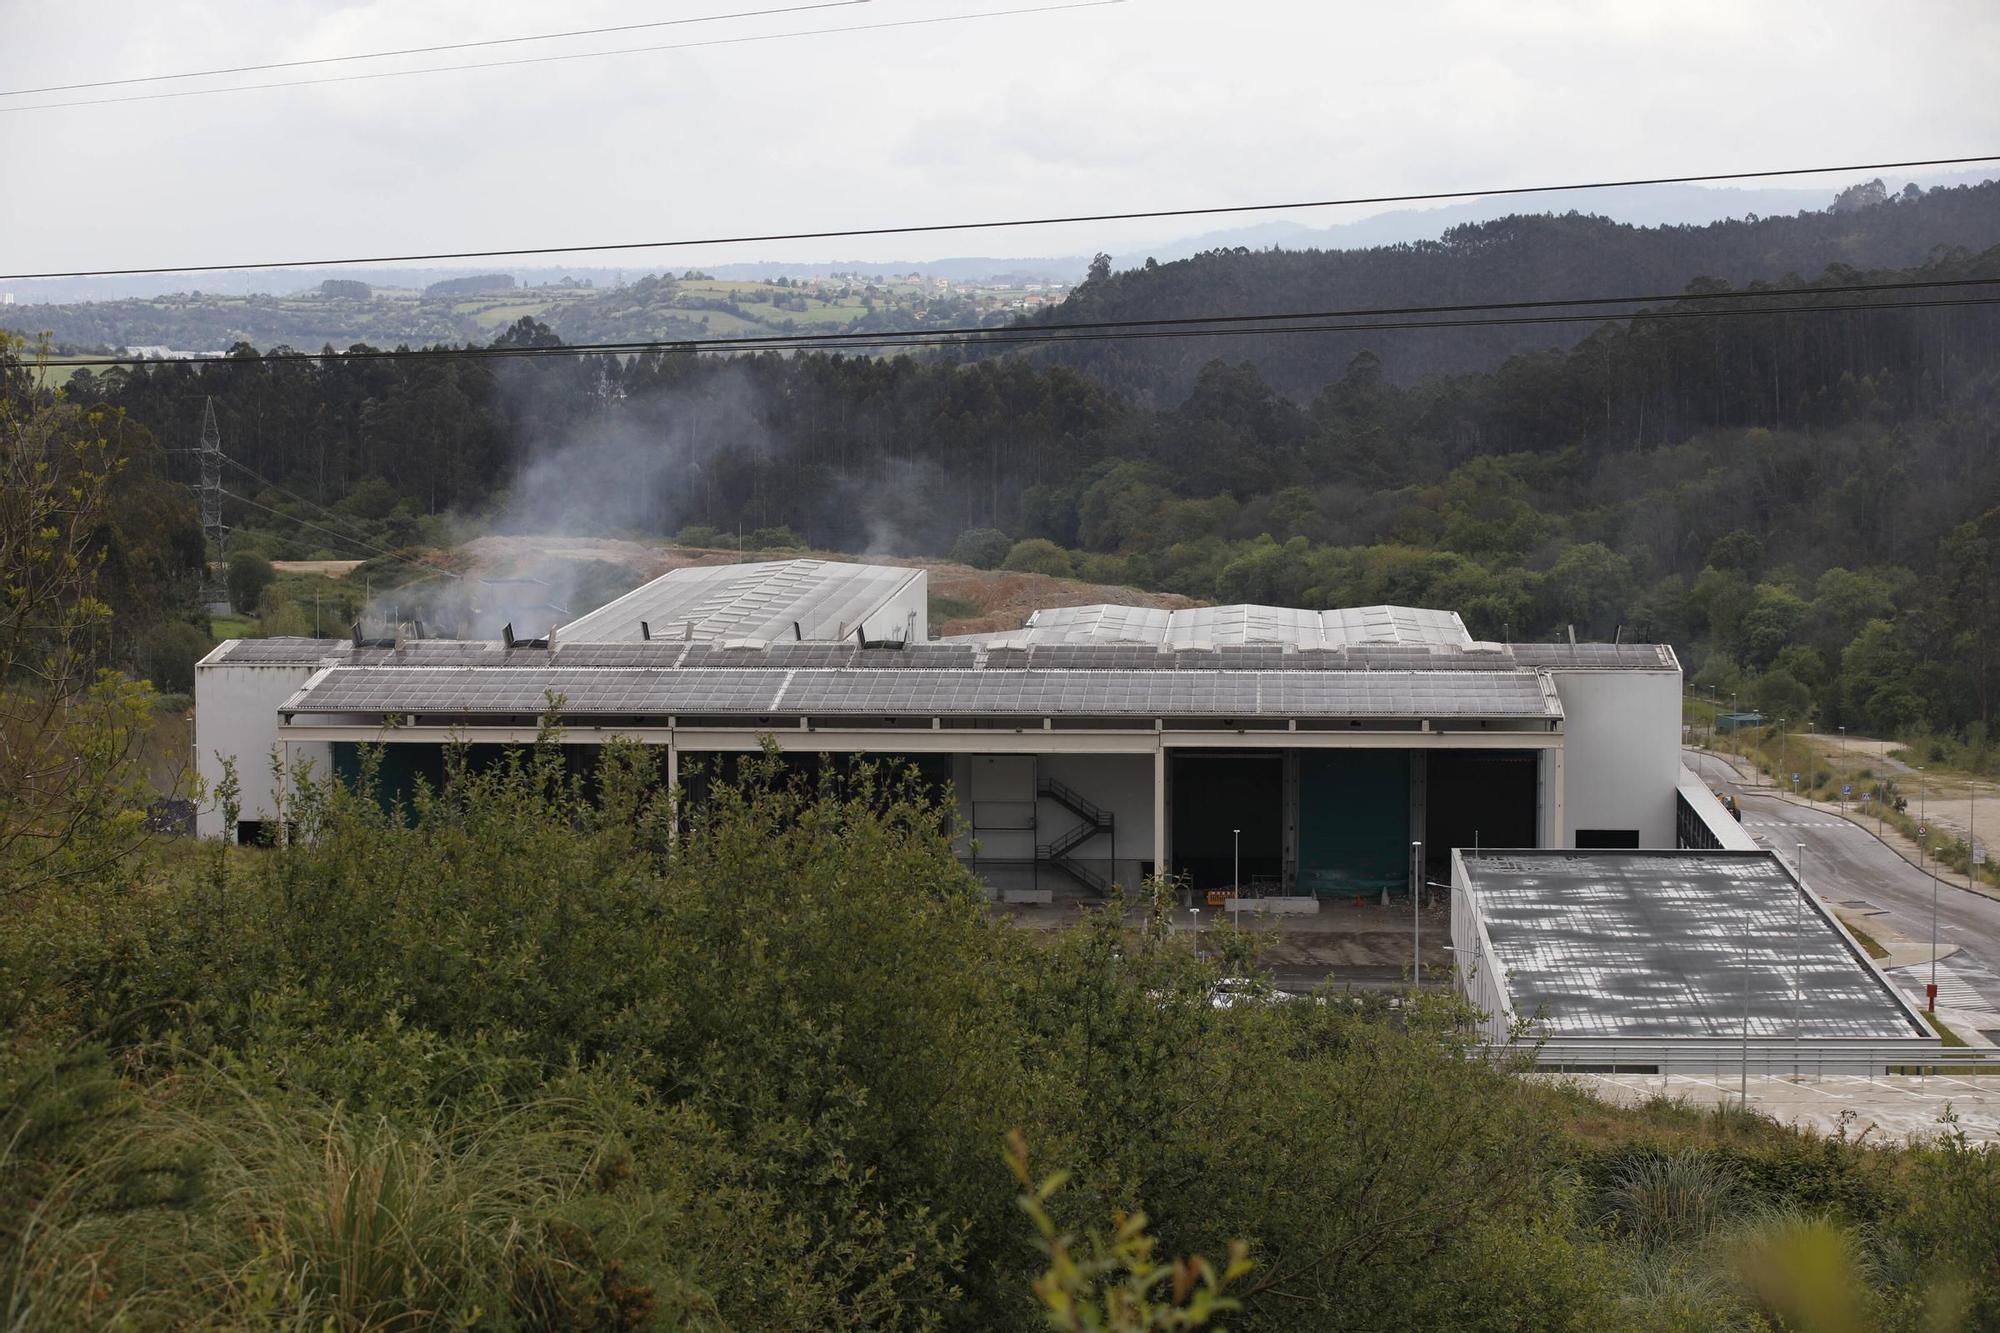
<point x="986" y="652"/>
<point x="655" y="692"/>
<point x="827" y="599"/>
<point x="1595" y="656"/>
<point x="1206" y="626"/>
<point x="1654" y="944"/>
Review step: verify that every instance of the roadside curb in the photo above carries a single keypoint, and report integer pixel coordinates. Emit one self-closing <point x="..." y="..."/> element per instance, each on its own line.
<point x="1777" y="794"/>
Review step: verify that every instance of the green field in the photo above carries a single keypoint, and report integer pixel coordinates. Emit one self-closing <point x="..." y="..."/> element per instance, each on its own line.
<point x="651" y="307"/>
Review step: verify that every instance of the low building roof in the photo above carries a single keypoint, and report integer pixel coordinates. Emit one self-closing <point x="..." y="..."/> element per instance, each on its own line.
<point x="989" y="652"/>
<point x="1662" y="944"/>
<point x="517" y="689"/>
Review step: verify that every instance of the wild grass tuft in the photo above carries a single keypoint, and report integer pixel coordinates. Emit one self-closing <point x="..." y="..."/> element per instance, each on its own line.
<point x="1670" y="1200"/>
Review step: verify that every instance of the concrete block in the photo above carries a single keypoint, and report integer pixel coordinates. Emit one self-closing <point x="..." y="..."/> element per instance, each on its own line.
<point x="1303" y="905"/>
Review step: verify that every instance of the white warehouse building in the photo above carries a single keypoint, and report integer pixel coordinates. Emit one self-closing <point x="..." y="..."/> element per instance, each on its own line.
<point x="1297" y="753"/>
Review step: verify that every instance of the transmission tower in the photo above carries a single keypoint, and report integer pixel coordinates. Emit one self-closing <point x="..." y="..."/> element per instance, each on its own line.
<point x="211" y="479"/>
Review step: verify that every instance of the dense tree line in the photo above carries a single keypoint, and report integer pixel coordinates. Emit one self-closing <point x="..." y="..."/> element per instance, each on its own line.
<point x="1520" y="258"/>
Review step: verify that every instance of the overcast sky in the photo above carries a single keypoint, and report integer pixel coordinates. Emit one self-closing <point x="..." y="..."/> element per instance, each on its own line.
<point x="1136" y="105"/>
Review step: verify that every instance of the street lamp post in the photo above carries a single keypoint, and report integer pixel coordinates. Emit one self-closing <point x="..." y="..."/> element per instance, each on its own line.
<point x="1923" y="851"/>
<point x="1416" y="917"/>
<point x="1195" y="912"/>
<point x="1743" y="1078"/>
<point x="1923" y="847"/>
<point x="1972" y="835"/>
<point x="1236" y="866"/>
<point x="1798" y="945"/>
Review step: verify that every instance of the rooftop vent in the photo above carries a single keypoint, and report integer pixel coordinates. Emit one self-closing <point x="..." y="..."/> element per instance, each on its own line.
<point x="507" y="638"/>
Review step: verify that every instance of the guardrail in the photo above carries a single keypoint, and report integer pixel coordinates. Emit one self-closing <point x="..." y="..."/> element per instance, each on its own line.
<point x="1769" y="1057"/>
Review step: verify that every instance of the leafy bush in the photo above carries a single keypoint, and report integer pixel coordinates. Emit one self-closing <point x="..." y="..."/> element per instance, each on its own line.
<point x="1039" y="555"/>
<point x="168" y="652"/>
<point x="774" y="539"/>
<point x="982" y="548"/>
<point x="249" y="574"/>
<point x="698" y="534"/>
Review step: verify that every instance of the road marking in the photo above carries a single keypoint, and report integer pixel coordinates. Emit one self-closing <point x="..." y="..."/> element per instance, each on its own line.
<point x="1955" y="988"/>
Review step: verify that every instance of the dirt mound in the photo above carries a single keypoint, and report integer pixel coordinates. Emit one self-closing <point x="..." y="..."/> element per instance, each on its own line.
<point x="1006" y="600"/>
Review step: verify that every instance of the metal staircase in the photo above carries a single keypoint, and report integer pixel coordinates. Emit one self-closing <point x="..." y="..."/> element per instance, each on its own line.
<point x="1096" y="819"/>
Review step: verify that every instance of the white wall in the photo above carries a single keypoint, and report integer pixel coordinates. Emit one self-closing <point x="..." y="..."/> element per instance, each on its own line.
<point x="997" y="792"/>
<point x="1621" y="752"/>
<point x="892" y="619"/>
<point x="236" y="717"/>
<point x="1120" y="783"/>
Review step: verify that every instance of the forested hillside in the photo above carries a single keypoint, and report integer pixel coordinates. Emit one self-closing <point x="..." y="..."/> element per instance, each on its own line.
<point x="1521" y="258"/>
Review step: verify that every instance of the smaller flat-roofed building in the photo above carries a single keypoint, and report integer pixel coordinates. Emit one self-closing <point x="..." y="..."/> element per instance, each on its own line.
<point x="1670" y="961"/>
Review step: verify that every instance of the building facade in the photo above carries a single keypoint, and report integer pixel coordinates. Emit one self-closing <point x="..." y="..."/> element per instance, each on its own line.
<point x="1290" y="754"/>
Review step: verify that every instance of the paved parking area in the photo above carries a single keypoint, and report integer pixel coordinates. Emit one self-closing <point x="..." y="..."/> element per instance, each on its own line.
<point x="1900" y="1106"/>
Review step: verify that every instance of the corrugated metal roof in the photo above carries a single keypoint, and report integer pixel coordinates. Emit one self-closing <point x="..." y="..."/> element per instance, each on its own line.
<point x="989" y="653"/>
<point x="1214" y="626"/>
<point x="1596" y="656"/>
<point x="628" y="691"/>
<point x="1638" y="944"/>
<point x="826" y="598"/>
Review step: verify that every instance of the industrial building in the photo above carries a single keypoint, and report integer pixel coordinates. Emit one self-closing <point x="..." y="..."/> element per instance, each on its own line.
<point x="1293" y="754"/>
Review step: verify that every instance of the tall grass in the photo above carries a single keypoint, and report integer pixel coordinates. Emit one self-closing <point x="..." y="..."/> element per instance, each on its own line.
<point x="309" y="1217"/>
<point x="1673" y="1199"/>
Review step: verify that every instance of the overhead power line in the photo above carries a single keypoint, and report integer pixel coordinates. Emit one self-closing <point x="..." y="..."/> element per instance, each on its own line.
<point x="341" y="536"/>
<point x="1435" y="196"/>
<point x="1560" y="310"/>
<point x="423" y="50"/>
<point x="572" y="55"/>
<point x="262" y="480"/>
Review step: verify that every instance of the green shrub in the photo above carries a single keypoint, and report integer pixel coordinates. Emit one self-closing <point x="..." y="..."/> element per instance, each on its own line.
<point x="774" y="539"/>
<point x="249" y="574"/>
<point x="1039" y="555"/>
<point x="698" y="534"/>
<point x="982" y="548"/>
<point x="168" y="652"/>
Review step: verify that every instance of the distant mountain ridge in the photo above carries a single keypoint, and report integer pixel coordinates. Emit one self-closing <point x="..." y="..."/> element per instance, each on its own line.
<point x="1650" y="205"/>
<point x="1517" y="258"/>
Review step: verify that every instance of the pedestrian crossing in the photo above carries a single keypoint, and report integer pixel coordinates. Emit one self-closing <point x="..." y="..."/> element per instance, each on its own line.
<point x="1957" y="988"/>
<point x="1802" y="823"/>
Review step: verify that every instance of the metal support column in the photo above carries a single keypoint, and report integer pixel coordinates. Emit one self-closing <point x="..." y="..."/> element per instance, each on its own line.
<point x="1419" y="802"/>
<point x="1160" y="811"/>
<point x="673" y="785"/>
<point x="1550" y="771"/>
<point x="1289" y="867"/>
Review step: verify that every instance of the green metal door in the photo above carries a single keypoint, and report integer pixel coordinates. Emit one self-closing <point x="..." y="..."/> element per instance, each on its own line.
<point x="1354" y="822"/>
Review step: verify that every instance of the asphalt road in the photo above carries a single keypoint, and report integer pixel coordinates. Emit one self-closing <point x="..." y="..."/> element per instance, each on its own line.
<point x="1847" y="867"/>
